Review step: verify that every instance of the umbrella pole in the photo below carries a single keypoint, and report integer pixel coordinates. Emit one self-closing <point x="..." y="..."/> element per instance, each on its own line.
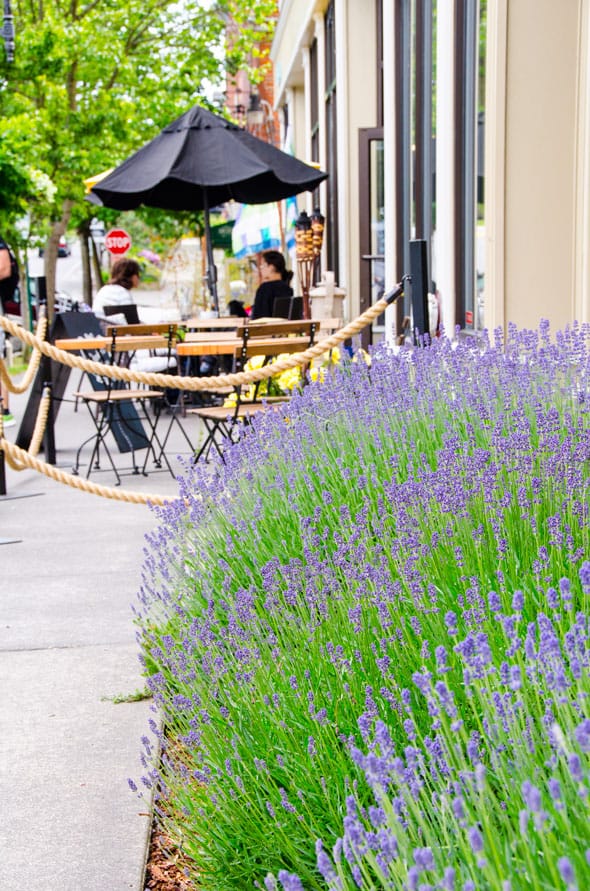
<point x="211" y="268"/>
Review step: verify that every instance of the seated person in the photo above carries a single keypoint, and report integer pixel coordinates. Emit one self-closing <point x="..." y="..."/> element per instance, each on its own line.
<point x="117" y="292"/>
<point x="275" y="283"/>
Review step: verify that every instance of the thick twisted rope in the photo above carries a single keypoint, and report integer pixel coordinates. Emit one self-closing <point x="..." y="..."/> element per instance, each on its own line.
<point x="115" y="372"/>
<point x="40" y="422"/>
<point x="18" y="459"/>
<point x="33" y="362"/>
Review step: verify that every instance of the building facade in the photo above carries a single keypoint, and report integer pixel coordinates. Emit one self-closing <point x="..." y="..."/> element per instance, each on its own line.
<point x="461" y="123"/>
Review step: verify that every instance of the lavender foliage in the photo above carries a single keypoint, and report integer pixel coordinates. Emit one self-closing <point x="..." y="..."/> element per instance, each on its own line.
<point x="371" y="624"/>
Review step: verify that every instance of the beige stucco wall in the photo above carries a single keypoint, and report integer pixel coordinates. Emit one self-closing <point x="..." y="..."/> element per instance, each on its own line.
<point x="294" y="30"/>
<point x="360" y="94"/>
<point x="540" y="153"/>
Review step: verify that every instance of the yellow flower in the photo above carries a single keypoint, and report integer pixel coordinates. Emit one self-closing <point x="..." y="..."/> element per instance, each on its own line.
<point x="361" y="355"/>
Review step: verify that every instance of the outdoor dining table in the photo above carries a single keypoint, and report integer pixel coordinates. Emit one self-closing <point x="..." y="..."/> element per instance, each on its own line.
<point x="217" y="324"/>
<point x="202" y="345"/>
<point x="125" y="343"/>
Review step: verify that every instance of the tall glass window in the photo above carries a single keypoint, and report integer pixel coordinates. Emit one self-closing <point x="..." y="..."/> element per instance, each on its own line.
<point x="331" y="141"/>
<point x="415" y="133"/>
<point x="471" y="21"/>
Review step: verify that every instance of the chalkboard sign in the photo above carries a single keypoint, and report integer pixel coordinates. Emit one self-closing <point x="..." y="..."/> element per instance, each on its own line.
<point x="126" y="426"/>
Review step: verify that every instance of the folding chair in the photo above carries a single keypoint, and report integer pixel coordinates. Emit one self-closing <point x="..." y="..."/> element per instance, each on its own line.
<point x="129" y="310"/>
<point x="113" y="409"/>
<point x="288" y="308"/>
<point x="268" y="339"/>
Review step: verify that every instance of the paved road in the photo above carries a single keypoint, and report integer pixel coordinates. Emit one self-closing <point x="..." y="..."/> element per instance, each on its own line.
<point x="68" y="270"/>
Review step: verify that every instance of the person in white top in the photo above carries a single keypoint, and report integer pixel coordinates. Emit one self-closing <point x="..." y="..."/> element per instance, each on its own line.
<point x="117" y="292"/>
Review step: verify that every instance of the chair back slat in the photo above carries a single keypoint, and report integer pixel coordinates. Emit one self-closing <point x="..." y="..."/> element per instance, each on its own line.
<point x="157" y="328"/>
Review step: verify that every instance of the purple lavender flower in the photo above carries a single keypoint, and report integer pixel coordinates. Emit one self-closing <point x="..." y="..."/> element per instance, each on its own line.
<point x="413" y="878"/>
<point x="575" y="766"/>
<point x="515" y="678"/>
<point x="458" y="809"/>
<point x="566" y="870"/>
<point x="532" y="796"/>
<point x="584" y="573"/>
<point x="517" y="601"/>
<point x="441" y="660"/>
<point x="357" y="876"/>
<point x="448" y="881"/>
<point x="423" y="858"/>
<point x="326" y="867"/>
<point x="494" y="602"/>
<point x="290" y="881"/>
<point x="582" y="734"/>
<point x="554" y="787"/>
<point x="475" y="839"/>
<point x="552" y="598"/>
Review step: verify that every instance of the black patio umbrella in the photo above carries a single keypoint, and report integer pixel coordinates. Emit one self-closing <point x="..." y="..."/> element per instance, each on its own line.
<point x="199" y="161"/>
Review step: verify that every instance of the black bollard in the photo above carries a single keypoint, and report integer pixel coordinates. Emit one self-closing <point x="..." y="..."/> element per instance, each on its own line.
<point x="419" y="274"/>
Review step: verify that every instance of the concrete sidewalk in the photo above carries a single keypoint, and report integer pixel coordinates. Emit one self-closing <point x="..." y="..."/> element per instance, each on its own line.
<point x="67" y="647"/>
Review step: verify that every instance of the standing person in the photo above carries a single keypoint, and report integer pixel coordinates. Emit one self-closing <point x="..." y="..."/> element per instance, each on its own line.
<point x="275" y="283"/>
<point x="117" y="292"/>
<point x="5" y="275"/>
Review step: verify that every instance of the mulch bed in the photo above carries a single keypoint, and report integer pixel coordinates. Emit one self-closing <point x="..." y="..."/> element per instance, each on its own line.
<point x="164" y="869"/>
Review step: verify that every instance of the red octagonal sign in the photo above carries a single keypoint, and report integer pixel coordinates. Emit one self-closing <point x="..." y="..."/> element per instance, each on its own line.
<point x="117" y="241"/>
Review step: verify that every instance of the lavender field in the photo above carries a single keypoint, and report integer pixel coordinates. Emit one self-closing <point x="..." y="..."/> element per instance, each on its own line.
<point x="368" y="632"/>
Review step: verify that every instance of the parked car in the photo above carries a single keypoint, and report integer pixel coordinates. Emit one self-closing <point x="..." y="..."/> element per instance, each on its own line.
<point x="63" y="248"/>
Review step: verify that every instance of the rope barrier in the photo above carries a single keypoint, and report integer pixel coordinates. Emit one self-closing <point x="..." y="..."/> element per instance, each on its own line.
<point x="151" y="379"/>
<point x="19" y="459"/>
<point x="33" y="361"/>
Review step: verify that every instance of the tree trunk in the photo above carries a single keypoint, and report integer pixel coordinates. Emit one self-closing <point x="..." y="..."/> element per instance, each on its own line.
<point x="85" y="237"/>
<point x="57" y="230"/>
<point x="96" y="264"/>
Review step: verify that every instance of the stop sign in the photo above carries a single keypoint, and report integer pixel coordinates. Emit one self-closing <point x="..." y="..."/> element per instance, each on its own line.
<point x="117" y="241"/>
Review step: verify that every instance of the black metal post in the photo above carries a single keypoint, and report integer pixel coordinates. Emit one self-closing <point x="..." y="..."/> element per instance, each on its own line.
<point x="2" y="473"/>
<point x="211" y="268"/>
<point x="49" y="438"/>
<point x="419" y="273"/>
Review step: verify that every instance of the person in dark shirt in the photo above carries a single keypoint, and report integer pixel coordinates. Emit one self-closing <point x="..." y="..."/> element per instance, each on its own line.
<point x="275" y="283"/>
<point x="5" y="270"/>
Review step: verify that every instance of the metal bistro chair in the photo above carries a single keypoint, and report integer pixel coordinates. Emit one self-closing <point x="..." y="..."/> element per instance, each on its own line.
<point x="129" y="311"/>
<point x="288" y="308"/>
<point x="222" y="422"/>
<point x="114" y="409"/>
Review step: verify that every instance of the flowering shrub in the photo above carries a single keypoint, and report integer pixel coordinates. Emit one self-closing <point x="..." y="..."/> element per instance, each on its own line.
<point x="286" y="382"/>
<point x="368" y="631"/>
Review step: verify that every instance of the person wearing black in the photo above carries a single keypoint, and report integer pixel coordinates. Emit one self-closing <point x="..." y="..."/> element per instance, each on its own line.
<point x="275" y="283"/>
<point x="5" y="276"/>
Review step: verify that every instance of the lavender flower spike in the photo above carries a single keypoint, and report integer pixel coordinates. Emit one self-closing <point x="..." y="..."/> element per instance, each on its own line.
<point x="582" y="734"/>
<point x="566" y="871"/>
<point x="290" y="881"/>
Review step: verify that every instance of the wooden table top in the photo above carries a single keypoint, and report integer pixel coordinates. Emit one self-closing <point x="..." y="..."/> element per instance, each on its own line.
<point x="228" y="322"/>
<point x="229" y="346"/>
<point x="126" y="343"/>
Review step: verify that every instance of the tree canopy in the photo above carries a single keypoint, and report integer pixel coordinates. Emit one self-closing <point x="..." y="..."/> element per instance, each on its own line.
<point x="92" y="80"/>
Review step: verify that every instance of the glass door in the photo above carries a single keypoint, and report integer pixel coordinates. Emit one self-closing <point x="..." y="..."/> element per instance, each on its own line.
<point x="372" y="235"/>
